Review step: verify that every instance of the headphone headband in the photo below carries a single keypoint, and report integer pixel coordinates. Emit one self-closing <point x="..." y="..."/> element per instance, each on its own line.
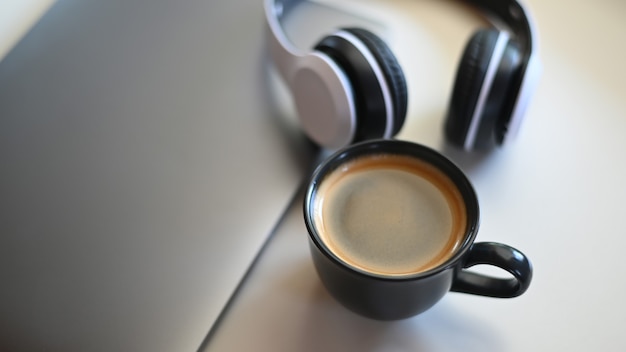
<point x="510" y="13"/>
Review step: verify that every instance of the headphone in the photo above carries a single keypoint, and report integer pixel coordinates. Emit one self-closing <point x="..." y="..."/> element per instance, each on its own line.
<point x="351" y="88"/>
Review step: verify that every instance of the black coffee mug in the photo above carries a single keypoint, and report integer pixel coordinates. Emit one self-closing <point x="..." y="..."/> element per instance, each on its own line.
<point x="391" y="230"/>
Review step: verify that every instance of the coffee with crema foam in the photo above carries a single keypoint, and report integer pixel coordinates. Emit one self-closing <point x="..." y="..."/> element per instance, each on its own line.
<point x="390" y="215"/>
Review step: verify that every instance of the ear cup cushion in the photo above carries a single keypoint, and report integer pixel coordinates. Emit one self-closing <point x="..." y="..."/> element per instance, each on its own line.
<point x="469" y="80"/>
<point x="498" y="109"/>
<point x="369" y="101"/>
<point x="347" y="51"/>
<point x="391" y="70"/>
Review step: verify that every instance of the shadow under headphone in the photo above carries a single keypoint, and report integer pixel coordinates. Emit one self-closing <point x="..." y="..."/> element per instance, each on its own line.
<point x="351" y="88"/>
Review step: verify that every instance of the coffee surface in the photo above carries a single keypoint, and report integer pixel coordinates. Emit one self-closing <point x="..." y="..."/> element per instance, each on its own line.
<point x="390" y="215"/>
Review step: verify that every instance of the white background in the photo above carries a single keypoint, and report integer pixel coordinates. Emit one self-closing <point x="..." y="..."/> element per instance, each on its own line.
<point x="557" y="193"/>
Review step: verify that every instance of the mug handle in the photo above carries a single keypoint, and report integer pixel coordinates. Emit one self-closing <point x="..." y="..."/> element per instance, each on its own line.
<point x="502" y="256"/>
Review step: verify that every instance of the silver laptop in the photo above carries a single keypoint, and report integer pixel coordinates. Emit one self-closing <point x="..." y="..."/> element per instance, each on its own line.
<point x="143" y="164"/>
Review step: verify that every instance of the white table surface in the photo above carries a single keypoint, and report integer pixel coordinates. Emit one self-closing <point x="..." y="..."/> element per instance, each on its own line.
<point x="557" y="193"/>
<point x="16" y="18"/>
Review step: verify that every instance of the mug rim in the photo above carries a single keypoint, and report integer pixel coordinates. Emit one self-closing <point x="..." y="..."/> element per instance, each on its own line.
<point x="405" y="148"/>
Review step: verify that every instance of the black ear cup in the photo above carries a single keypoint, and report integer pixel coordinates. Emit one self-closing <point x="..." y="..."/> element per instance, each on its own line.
<point x="346" y="48"/>
<point x="392" y="71"/>
<point x="481" y="102"/>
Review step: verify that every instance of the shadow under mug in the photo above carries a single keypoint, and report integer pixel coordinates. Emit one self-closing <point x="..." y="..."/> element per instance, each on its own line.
<point x="390" y="297"/>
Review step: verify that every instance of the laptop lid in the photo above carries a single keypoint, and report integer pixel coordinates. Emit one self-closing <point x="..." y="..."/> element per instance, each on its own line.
<point x="142" y="167"/>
